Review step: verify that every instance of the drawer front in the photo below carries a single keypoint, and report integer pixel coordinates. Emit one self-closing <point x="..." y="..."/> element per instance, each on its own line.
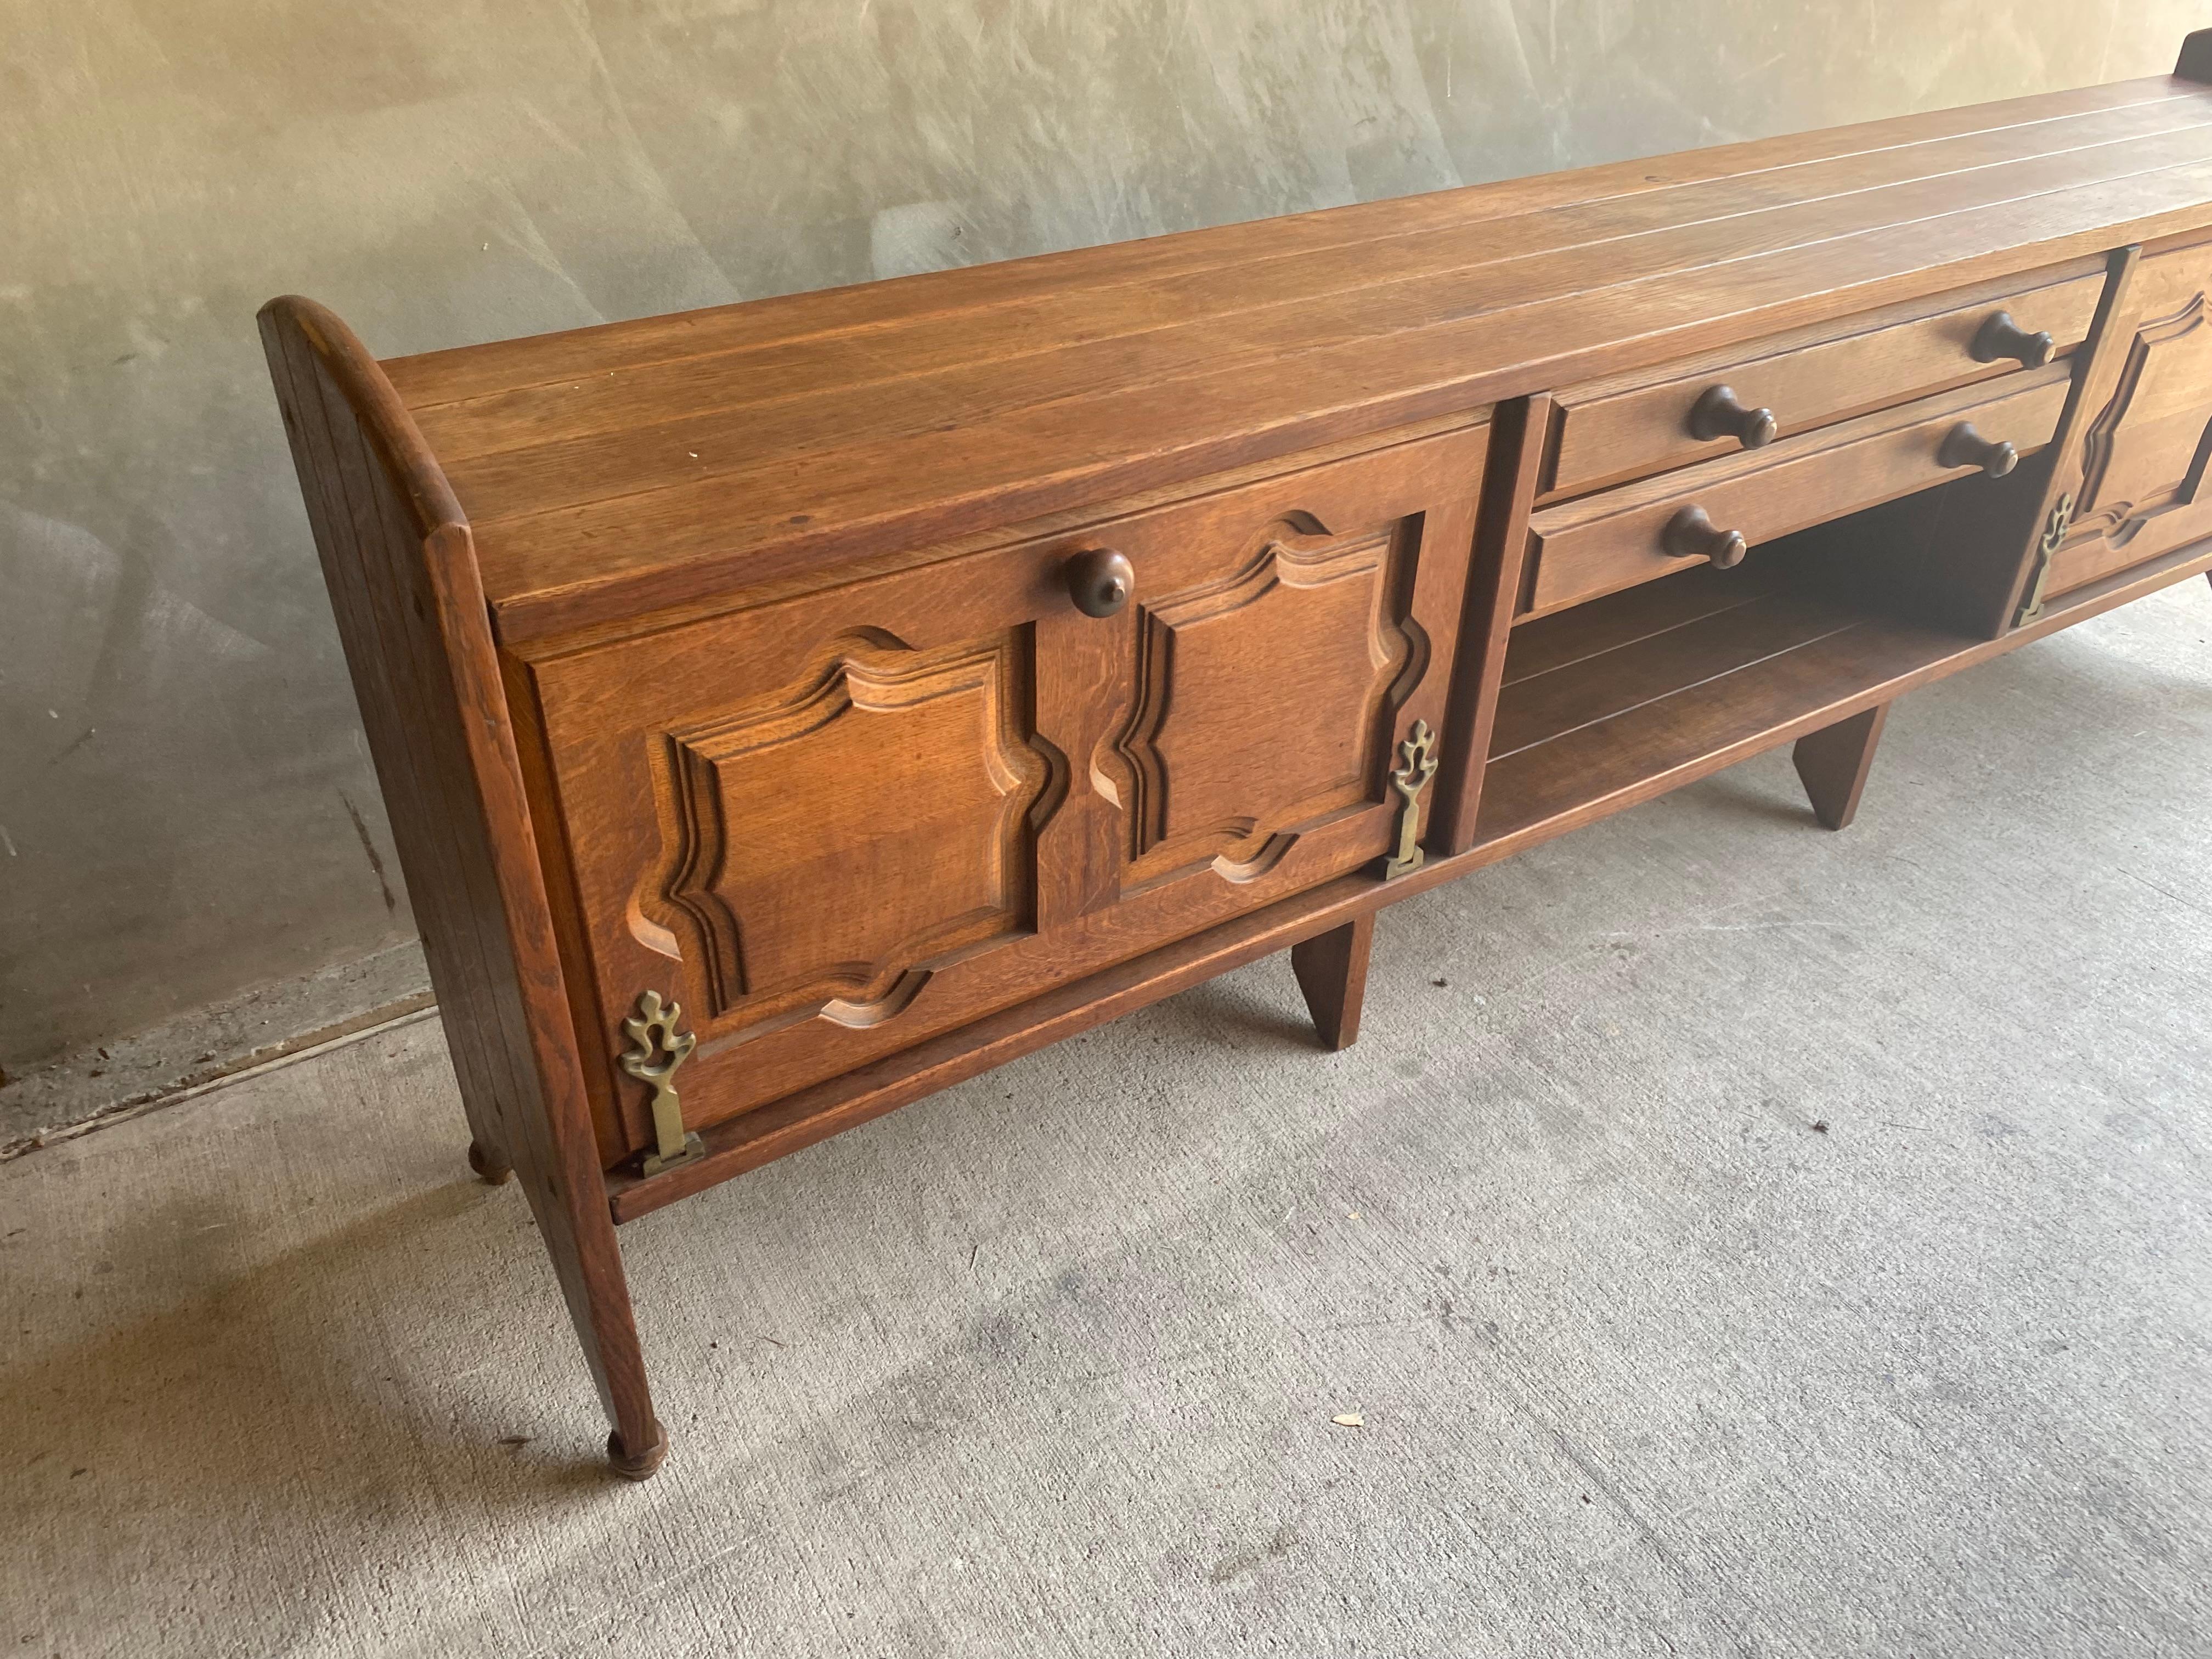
<point x="1615" y="540"/>
<point x="2134" y="472"/>
<point x="1614" y="430"/>
<point x="832" y="826"/>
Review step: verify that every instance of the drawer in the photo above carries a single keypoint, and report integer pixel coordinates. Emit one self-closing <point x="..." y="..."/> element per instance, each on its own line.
<point x="1633" y="534"/>
<point x="1630" y="427"/>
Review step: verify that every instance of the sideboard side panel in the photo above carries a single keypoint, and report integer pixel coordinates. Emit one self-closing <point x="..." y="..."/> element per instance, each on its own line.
<point x="398" y="561"/>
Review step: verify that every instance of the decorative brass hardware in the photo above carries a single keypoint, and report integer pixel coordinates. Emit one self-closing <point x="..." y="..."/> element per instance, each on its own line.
<point x="661" y="1048"/>
<point x="1417" y="764"/>
<point x="2054" y="534"/>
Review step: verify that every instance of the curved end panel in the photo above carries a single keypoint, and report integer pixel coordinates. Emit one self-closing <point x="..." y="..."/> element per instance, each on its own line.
<point x="2195" y="62"/>
<point x="409" y="599"/>
<point x="299" y="336"/>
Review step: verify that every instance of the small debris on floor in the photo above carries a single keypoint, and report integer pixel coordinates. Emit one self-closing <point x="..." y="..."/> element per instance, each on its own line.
<point x="1440" y="983"/>
<point x="1819" y="1126"/>
<point x="1349" y="1420"/>
<point x="513" y="1441"/>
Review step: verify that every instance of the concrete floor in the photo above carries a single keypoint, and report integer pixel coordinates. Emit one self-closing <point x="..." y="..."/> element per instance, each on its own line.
<point x="1650" y="1361"/>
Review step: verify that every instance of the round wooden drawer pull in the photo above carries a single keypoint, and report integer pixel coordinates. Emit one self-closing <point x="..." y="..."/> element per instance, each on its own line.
<point x="1100" y="581"/>
<point x="1691" y="535"/>
<point x="1717" y="414"/>
<point x="1962" y="445"/>
<point x="2000" y="336"/>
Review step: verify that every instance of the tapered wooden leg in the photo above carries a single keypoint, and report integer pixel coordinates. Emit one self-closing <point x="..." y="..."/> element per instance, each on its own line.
<point x="580" y="1236"/>
<point x="1331" y="970"/>
<point x="1833" y="763"/>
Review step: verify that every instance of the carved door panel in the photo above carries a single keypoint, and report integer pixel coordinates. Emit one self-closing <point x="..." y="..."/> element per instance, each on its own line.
<point x="1282" y="643"/>
<point x="836" y="824"/>
<point x="2133" y="480"/>
<point x="795" y="819"/>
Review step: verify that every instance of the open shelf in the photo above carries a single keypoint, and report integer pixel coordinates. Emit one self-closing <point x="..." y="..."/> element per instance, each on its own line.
<point x="1616" y="700"/>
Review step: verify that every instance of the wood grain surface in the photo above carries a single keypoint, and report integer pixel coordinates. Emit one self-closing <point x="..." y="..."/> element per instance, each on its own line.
<point x="411" y="614"/>
<point x="899" y="679"/>
<point x="618" y="469"/>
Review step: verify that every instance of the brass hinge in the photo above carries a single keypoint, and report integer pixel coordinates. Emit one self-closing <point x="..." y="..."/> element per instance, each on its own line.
<point x="2054" y="534"/>
<point x="1417" y="765"/>
<point x="660" y="1049"/>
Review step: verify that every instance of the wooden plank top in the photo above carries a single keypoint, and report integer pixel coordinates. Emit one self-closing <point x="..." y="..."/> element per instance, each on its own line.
<point x="633" y="467"/>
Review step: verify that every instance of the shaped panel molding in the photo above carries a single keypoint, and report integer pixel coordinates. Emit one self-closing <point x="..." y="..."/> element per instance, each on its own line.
<point x="1263" y="701"/>
<point x="830" y="845"/>
<point x="2145" y="452"/>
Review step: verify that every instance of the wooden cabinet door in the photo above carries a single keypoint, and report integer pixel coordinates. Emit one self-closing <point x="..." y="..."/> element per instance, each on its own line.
<point x="1285" y="641"/>
<point x="2134" y="474"/>
<point x="834" y="825"/>
<point x="799" y="816"/>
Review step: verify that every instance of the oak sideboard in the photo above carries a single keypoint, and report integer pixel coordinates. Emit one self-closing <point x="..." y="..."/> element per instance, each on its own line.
<point x="788" y="710"/>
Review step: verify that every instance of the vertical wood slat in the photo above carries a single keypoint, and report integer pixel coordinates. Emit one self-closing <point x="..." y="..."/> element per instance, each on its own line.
<point x="1518" y="433"/>
<point x="2097" y="368"/>
<point x="396" y="554"/>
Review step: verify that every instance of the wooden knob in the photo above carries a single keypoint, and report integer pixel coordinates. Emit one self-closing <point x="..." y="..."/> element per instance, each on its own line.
<point x="1691" y="535"/>
<point x="2000" y="336"/>
<point x="1717" y="414"/>
<point x="1100" y="581"/>
<point x="1962" y="445"/>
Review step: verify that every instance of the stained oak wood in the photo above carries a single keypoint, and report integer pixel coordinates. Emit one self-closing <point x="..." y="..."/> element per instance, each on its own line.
<point x="1729" y="708"/>
<point x="1833" y="763"/>
<point x="411" y="615"/>
<point x="896" y="679"/>
<point x="1332" y="974"/>
<point x="1784" y="168"/>
<point x="1637" y="533"/>
<point x="590" y="492"/>
<point x="1914" y="658"/>
<point x="2133" y="471"/>
<point x="1616" y="430"/>
<point x="832" y="825"/>
<point x="2195" y="62"/>
<point x="1519" y="432"/>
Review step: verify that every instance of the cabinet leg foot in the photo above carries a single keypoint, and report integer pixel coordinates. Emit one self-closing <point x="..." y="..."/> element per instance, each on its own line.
<point x="560" y="1177"/>
<point x="1833" y="763"/>
<point x="643" y="1465"/>
<point x="1331" y="970"/>
<point x="490" y="1169"/>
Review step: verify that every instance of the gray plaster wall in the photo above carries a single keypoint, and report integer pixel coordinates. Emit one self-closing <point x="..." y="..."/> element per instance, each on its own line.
<point x="188" y="814"/>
